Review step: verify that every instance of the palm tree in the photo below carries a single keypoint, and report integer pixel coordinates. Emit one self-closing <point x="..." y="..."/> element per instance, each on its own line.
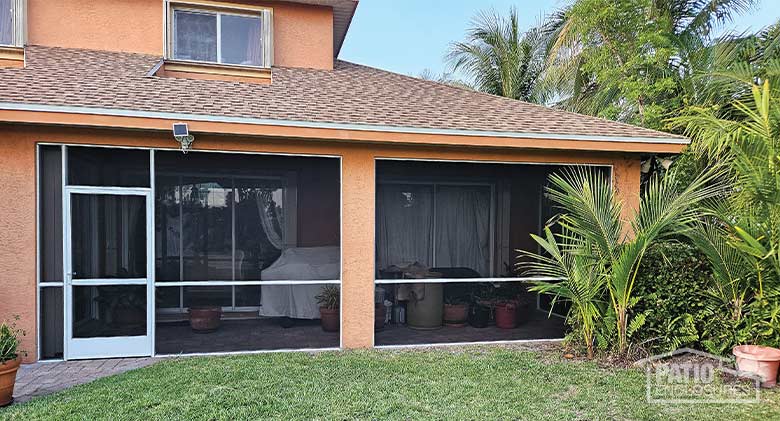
<point x="580" y="283"/>
<point x="595" y="238"/>
<point x="500" y="58"/>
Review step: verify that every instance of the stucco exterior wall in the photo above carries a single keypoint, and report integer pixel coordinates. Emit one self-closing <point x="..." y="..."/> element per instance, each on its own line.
<point x="303" y="35"/>
<point x="18" y="209"/>
<point x="17" y="236"/>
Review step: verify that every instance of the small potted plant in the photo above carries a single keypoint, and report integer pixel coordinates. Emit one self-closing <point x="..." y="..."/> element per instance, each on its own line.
<point x="329" y="299"/>
<point x="10" y="358"/>
<point x="456" y="311"/>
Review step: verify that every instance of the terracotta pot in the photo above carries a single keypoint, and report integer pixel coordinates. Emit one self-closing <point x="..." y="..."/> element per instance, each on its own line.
<point x="506" y="315"/>
<point x="760" y="360"/>
<point x="7" y="380"/>
<point x="455" y="315"/>
<point x="380" y="313"/>
<point x="205" y="319"/>
<point x="330" y="319"/>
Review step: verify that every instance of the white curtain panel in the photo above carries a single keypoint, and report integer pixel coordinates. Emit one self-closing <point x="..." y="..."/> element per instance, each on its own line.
<point x="6" y="22"/>
<point x="404" y="224"/>
<point x="267" y="212"/>
<point x="463" y="227"/>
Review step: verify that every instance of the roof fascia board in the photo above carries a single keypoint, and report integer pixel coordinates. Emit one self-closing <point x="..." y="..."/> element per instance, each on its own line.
<point x="335" y="126"/>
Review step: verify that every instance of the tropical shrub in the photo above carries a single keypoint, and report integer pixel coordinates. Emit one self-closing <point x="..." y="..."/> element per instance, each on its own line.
<point x="671" y="282"/>
<point x="740" y="233"/>
<point x="598" y="249"/>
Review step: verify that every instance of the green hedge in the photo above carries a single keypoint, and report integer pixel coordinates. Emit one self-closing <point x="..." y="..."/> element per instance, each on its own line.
<point x="671" y="285"/>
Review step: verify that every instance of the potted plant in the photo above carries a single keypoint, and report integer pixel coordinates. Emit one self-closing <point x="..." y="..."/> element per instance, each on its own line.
<point x="10" y="358"/>
<point x="506" y="314"/>
<point x="479" y="315"/>
<point x="762" y="361"/>
<point x="484" y="301"/>
<point x="329" y="299"/>
<point x="205" y="319"/>
<point x="456" y="311"/>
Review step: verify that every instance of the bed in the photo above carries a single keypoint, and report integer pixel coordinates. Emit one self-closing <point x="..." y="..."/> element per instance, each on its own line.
<point x="298" y="264"/>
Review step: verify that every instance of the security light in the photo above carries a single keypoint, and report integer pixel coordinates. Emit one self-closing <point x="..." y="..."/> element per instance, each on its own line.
<point x="180" y="129"/>
<point x="181" y="132"/>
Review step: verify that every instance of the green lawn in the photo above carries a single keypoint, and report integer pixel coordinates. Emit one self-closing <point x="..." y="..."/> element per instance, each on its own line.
<point x="471" y="383"/>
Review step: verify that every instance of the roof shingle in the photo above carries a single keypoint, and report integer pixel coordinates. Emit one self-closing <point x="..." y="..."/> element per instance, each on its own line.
<point x="348" y="94"/>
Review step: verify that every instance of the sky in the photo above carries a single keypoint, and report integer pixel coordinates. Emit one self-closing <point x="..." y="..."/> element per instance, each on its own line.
<point x="410" y="36"/>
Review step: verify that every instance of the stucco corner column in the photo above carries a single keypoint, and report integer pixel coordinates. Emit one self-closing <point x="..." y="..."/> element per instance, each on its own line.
<point x="627" y="179"/>
<point x="357" y="249"/>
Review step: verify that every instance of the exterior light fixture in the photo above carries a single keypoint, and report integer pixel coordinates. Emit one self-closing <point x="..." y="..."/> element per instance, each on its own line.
<point x="181" y="132"/>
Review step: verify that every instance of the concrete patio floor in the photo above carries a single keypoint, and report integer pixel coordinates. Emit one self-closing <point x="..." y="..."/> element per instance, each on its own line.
<point x="45" y="378"/>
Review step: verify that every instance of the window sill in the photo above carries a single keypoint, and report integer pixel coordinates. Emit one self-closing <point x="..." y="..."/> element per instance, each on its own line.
<point x="11" y="56"/>
<point x="210" y="71"/>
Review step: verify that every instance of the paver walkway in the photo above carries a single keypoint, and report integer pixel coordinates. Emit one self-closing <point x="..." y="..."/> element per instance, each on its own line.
<point x="44" y="378"/>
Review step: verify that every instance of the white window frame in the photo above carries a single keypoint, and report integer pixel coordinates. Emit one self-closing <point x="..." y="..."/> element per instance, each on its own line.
<point x="19" y="23"/>
<point x="220" y="9"/>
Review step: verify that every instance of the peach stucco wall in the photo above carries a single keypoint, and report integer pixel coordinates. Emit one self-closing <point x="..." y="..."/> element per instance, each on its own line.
<point x="17" y="211"/>
<point x="303" y="35"/>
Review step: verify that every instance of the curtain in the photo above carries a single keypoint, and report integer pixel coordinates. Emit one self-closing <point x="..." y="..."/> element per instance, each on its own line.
<point x="404" y="225"/>
<point x="269" y="217"/>
<point x="463" y="227"/>
<point x="6" y="22"/>
<point x="254" y="45"/>
<point x="195" y="37"/>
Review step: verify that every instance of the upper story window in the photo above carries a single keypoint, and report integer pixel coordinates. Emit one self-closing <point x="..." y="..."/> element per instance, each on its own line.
<point x="216" y="35"/>
<point x="12" y="23"/>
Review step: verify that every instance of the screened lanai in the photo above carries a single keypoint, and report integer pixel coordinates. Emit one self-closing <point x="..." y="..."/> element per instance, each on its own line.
<point x="153" y="252"/>
<point x="448" y="236"/>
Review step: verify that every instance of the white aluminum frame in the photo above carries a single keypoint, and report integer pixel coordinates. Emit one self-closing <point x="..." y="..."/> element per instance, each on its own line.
<point x="152" y="321"/>
<point x="101" y="347"/>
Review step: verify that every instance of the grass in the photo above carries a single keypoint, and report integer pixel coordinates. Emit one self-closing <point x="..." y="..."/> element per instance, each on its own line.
<point x="470" y="383"/>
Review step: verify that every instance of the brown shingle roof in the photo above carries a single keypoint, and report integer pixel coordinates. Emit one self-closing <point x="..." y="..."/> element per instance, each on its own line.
<point x="349" y="94"/>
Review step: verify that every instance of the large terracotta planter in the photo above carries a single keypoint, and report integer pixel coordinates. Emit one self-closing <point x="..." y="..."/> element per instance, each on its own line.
<point x="506" y="315"/>
<point x="330" y="319"/>
<point x="760" y="360"/>
<point x="7" y="380"/>
<point x="456" y="315"/>
<point x="205" y="319"/>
